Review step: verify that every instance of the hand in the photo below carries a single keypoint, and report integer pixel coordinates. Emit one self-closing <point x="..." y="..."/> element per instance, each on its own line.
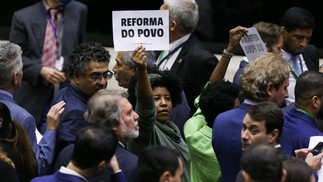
<point x="54" y="115"/>
<point x="235" y="36"/>
<point x="302" y="153"/>
<point x="314" y="161"/>
<point x="114" y="164"/>
<point x="51" y="75"/>
<point x="139" y="57"/>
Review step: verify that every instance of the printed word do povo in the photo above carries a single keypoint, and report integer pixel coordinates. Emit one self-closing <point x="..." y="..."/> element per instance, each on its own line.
<point x="142" y="32"/>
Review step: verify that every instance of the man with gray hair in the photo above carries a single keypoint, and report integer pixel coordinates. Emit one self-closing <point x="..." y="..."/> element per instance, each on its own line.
<point x="187" y="57"/>
<point x="111" y="110"/>
<point x="10" y="79"/>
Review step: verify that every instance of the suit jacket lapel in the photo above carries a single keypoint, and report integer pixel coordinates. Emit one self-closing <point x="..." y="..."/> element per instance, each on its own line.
<point x="180" y="58"/>
<point x="38" y="25"/>
<point x="70" y="30"/>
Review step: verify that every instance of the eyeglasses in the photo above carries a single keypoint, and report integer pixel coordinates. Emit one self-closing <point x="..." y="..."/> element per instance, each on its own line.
<point x="97" y="76"/>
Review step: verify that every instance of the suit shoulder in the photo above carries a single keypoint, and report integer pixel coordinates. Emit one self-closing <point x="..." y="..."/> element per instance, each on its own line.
<point x="29" y="9"/>
<point x="311" y="50"/>
<point x="311" y="47"/>
<point x="78" y="4"/>
<point x="232" y="115"/>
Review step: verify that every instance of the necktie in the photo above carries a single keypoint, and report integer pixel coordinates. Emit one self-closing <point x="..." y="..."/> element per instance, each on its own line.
<point x="296" y="65"/>
<point x="50" y="46"/>
<point x="161" y="56"/>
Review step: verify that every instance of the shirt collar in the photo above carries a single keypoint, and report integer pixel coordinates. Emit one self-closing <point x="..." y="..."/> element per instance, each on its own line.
<point x="178" y="41"/>
<point x="47" y="7"/>
<point x="122" y="144"/>
<point x="6" y="93"/>
<point x="71" y="172"/>
<point x="250" y="102"/>
<point x="288" y="56"/>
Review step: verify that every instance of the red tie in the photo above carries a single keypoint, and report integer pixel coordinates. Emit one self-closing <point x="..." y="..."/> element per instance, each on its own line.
<point x="49" y="50"/>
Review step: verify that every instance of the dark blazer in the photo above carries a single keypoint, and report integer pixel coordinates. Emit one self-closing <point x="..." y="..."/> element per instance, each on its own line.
<point x="63" y="177"/>
<point x="226" y="141"/>
<point x="236" y="78"/>
<point x="58" y="176"/>
<point x="28" y="30"/>
<point x="298" y="127"/>
<point x="127" y="162"/>
<point x="311" y="57"/>
<point x="282" y="156"/>
<point x="194" y="66"/>
<point x="181" y="113"/>
<point x="72" y="119"/>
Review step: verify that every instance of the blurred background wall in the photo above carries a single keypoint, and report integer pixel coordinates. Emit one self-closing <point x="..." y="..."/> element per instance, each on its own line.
<point x="217" y="17"/>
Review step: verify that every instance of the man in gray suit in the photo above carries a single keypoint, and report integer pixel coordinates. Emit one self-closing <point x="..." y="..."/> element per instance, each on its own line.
<point x="28" y="30"/>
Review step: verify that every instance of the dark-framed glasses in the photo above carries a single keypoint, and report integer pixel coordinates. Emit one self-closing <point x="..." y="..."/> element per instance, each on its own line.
<point x="97" y="76"/>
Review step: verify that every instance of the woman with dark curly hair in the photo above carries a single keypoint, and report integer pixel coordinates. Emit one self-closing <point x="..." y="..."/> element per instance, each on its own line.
<point x="157" y="94"/>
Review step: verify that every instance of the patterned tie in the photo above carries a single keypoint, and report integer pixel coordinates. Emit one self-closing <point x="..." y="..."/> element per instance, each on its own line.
<point x="49" y="49"/>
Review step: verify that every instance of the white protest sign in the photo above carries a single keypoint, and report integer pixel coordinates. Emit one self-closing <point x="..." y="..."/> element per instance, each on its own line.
<point x="252" y="44"/>
<point x="147" y="28"/>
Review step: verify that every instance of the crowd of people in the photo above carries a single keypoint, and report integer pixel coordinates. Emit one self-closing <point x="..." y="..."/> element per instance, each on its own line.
<point x="177" y="118"/>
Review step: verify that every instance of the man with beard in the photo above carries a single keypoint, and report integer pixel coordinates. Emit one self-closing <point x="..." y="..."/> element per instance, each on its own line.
<point x="301" y="118"/>
<point x="111" y="110"/>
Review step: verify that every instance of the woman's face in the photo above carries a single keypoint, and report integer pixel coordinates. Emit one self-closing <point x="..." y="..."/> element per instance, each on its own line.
<point x="163" y="103"/>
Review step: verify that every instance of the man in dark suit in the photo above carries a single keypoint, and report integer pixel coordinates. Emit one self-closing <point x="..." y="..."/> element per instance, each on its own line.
<point x="111" y="110"/>
<point x="88" y="71"/>
<point x="264" y="123"/>
<point x="90" y="161"/>
<point x="299" y="25"/>
<point x="28" y="29"/>
<point x="188" y="58"/>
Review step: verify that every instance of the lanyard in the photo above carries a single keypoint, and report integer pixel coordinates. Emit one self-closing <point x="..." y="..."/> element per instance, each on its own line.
<point x="293" y="73"/>
<point x="306" y="113"/>
<point x="170" y="53"/>
<point x="56" y="30"/>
